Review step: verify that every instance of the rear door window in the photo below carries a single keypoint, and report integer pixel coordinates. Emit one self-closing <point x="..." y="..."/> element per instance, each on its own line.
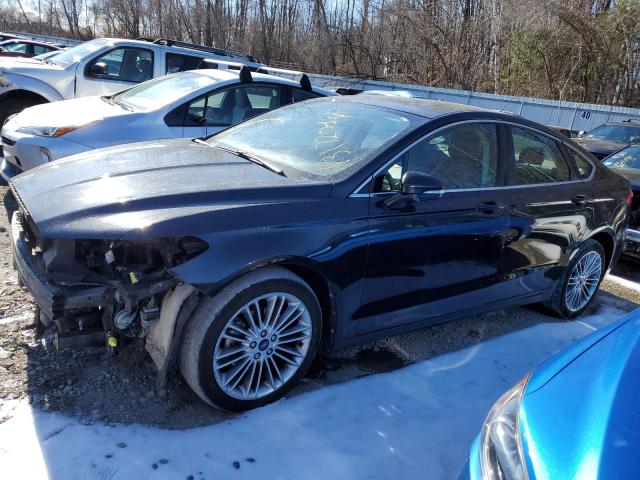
<point x="537" y="159"/>
<point x="181" y="63"/>
<point x="233" y="105"/>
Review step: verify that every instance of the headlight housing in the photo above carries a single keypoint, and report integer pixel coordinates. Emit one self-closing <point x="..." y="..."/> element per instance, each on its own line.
<point x="50" y="131"/>
<point x="501" y="455"/>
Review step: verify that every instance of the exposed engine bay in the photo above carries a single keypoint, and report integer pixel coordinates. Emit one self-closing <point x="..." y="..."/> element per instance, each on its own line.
<point x="105" y="291"/>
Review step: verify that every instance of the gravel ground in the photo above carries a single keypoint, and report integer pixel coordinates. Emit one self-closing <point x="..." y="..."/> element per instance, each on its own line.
<point x="121" y="388"/>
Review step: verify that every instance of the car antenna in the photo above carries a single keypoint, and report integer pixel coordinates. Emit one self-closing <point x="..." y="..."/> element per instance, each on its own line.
<point x="305" y="83"/>
<point x="245" y="75"/>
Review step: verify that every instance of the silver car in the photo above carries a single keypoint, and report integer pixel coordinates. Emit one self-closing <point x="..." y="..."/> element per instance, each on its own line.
<point x="187" y="104"/>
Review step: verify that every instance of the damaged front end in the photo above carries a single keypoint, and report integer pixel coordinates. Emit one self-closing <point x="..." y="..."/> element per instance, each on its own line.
<point x="105" y="291"/>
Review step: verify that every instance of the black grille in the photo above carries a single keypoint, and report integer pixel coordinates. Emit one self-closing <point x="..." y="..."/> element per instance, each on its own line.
<point x="8" y="141"/>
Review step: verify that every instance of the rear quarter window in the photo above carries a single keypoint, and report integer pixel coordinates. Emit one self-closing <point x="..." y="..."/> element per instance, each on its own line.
<point x="582" y="166"/>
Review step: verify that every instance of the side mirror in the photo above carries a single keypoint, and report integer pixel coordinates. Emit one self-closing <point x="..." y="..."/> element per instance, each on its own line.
<point x="99" y="68"/>
<point x="581" y="133"/>
<point x="421" y="184"/>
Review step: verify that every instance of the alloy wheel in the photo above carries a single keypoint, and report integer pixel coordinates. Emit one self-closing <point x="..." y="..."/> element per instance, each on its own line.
<point x="262" y="346"/>
<point x="583" y="281"/>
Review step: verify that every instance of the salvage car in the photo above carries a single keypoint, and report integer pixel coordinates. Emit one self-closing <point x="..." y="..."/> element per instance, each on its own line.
<point x="610" y="137"/>
<point x="626" y="162"/>
<point x="311" y="228"/>
<point x="574" y="416"/>
<point x="187" y="104"/>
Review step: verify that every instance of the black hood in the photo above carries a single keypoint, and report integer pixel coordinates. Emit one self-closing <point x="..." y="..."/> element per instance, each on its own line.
<point x="140" y="187"/>
<point x="600" y="148"/>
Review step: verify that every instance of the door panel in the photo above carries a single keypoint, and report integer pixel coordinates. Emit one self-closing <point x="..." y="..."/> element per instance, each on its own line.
<point x="550" y="212"/>
<point x="429" y="257"/>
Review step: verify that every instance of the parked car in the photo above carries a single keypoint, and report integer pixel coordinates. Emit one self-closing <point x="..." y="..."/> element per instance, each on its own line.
<point x="187" y="104"/>
<point x="100" y="67"/>
<point x="19" y="47"/>
<point x="626" y="162"/>
<point x="610" y="137"/>
<point x="574" y="416"/>
<point x="311" y="228"/>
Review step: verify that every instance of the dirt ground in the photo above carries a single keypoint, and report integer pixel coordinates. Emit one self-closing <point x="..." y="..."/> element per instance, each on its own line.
<point x="121" y="389"/>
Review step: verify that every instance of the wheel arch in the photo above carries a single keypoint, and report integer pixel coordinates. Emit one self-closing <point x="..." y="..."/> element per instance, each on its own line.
<point x="311" y="273"/>
<point x="24" y="93"/>
<point x="325" y="294"/>
<point x="606" y="239"/>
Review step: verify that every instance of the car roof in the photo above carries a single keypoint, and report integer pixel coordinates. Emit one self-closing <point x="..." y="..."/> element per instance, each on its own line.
<point x="29" y="41"/>
<point x="222" y="75"/>
<point x="416" y="106"/>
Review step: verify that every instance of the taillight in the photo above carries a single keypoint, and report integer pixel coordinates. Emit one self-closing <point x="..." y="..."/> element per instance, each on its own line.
<point x="629" y="197"/>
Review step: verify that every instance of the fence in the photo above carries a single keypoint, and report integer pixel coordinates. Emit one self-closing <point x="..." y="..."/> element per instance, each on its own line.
<point x="572" y="115"/>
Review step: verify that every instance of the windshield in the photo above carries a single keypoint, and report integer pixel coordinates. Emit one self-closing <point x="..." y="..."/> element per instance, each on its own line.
<point x="163" y="90"/>
<point x="616" y="133"/>
<point x="322" y="138"/>
<point x="626" y="158"/>
<point x="78" y="52"/>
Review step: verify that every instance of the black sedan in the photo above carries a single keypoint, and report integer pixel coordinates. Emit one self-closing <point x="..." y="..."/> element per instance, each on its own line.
<point x="309" y="229"/>
<point x="626" y="162"/>
<point x="610" y="137"/>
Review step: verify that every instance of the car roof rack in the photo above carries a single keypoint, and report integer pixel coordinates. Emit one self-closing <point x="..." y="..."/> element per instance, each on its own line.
<point x="203" y="48"/>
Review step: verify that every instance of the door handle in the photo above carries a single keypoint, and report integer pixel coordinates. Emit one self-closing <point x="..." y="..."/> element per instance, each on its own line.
<point x="487" y="208"/>
<point x="580" y="200"/>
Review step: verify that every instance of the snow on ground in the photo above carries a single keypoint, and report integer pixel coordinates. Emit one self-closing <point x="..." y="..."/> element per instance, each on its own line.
<point x="415" y="422"/>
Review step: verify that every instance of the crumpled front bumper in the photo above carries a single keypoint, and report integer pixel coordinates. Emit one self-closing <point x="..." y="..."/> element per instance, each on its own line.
<point x="53" y="300"/>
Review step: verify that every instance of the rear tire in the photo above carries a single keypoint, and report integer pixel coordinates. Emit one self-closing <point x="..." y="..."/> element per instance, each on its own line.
<point x="579" y="282"/>
<point x="234" y="356"/>
<point x="13" y="105"/>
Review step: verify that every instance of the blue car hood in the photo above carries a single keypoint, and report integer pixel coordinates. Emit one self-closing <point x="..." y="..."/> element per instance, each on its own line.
<point x="580" y="415"/>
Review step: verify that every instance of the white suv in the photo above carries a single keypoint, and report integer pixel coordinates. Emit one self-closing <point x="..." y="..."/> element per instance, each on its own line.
<point x="102" y="67"/>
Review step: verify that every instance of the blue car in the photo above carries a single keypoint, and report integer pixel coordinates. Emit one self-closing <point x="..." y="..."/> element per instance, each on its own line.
<point x="576" y="416"/>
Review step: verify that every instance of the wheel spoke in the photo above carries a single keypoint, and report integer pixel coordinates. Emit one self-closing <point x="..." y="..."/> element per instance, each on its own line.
<point x="288" y="320"/>
<point x="289" y="351"/>
<point x="287" y="360"/>
<point x="235" y="370"/>
<point x="294" y="339"/>
<point x="276" y="368"/>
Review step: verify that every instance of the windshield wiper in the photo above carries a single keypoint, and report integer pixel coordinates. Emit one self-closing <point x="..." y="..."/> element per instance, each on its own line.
<point x="245" y="155"/>
<point x="123" y="105"/>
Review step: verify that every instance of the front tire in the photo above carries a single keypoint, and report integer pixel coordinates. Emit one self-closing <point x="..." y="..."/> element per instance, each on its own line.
<point x="250" y="344"/>
<point x="579" y="283"/>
